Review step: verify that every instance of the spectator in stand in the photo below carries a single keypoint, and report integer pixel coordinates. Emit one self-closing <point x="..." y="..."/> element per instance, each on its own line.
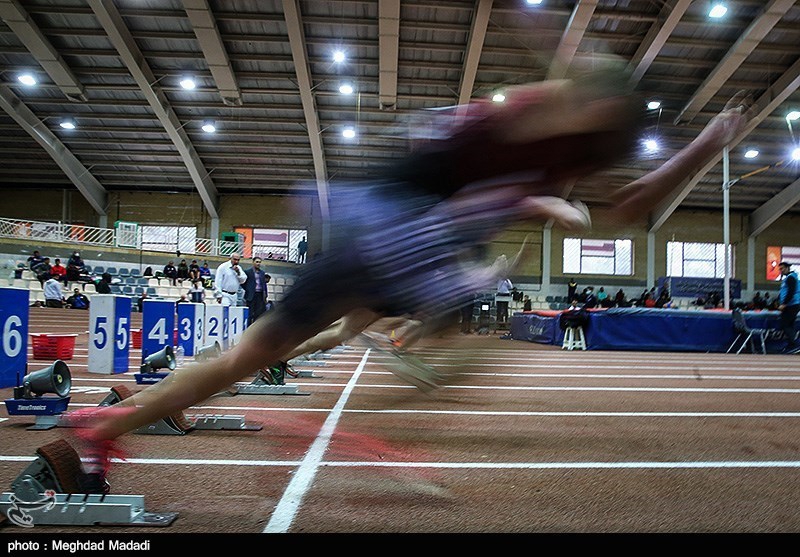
<point x="183" y="271"/>
<point x="75" y="267"/>
<point x="602" y="298"/>
<point x="197" y="293"/>
<point x="227" y="281"/>
<point x="589" y="298"/>
<point x="53" y="295"/>
<point x="302" y="250"/>
<point x="140" y="301"/>
<point x="619" y="299"/>
<point x="194" y="271"/>
<point x="789" y="305"/>
<point x="663" y="299"/>
<point x="572" y="290"/>
<point x="649" y="301"/>
<point x="35" y="259"/>
<point x="205" y="274"/>
<point x="182" y="300"/>
<point x="526" y="303"/>
<point x="78" y="300"/>
<point x="43" y="270"/>
<point x="59" y="271"/>
<point x="148" y="272"/>
<point x="759" y="302"/>
<point x="103" y="286"/>
<point x="171" y="272"/>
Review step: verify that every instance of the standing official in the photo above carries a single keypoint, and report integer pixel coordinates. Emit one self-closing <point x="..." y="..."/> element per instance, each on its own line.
<point x="255" y="290"/>
<point x="227" y="281"/>
<point x="789" y="304"/>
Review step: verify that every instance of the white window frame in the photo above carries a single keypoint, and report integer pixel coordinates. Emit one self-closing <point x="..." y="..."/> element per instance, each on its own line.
<point x="617" y="261"/>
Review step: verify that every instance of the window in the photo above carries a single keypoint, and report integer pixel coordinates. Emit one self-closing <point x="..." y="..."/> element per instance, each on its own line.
<point x="776" y="254"/>
<point x="694" y="259"/>
<point x="271" y="243"/>
<point x="598" y="257"/>
<point x="169" y="238"/>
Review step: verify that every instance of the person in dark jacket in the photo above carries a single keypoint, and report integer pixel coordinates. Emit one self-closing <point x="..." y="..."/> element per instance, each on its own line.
<point x="789" y="304"/>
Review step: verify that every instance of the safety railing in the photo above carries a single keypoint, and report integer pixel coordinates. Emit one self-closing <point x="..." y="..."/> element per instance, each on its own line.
<point x="78" y="235"/>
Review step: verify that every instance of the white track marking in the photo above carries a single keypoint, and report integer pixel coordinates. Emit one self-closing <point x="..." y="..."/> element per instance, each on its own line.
<point x="286" y="509"/>
<point x="644" y="465"/>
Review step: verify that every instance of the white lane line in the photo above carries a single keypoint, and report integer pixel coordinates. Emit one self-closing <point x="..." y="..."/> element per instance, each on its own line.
<point x="286" y="509"/>
<point x="662" y="465"/>
<point x="505" y="412"/>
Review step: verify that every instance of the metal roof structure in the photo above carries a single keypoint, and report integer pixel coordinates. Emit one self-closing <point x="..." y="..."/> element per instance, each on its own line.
<point x="266" y="79"/>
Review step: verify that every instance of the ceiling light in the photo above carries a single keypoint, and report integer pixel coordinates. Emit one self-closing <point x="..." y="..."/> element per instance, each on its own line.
<point x="27" y="79"/>
<point x="796" y="154"/>
<point x="348" y="133"/>
<point x="498" y="97"/>
<point x="654" y="105"/>
<point x="718" y="10"/>
<point x="651" y="145"/>
<point x="209" y="127"/>
<point x="187" y="83"/>
<point x="346" y="89"/>
<point x="338" y="56"/>
<point x="67" y="124"/>
<point x="793" y="115"/>
<point x="533" y="2"/>
<point x="751" y="153"/>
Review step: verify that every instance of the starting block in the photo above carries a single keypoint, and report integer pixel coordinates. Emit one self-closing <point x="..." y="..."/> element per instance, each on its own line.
<point x="47" y="492"/>
<point x="29" y="399"/>
<point x="180" y="423"/>
<point x="269" y="382"/>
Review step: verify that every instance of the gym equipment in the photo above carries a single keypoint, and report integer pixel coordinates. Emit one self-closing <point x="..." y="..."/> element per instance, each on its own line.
<point x="180" y="423"/>
<point x="29" y="400"/>
<point x="48" y="492"/>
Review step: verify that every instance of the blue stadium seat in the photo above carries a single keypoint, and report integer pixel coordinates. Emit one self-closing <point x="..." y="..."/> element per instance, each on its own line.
<point x="116" y="289"/>
<point x="136" y="272"/>
<point x="99" y="270"/>
<point x="127" y="290"/>
<point x="123" y="272"/>
<point x="142" y="281"/>
<point x="88" y="269"/>
<point x="112" y="271"/>
<point x="132" y="281"/>
<point x="151" y="291"/>
<point x="138" y="290"/>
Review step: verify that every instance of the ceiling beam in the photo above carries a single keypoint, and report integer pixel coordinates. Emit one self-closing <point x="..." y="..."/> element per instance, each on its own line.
<point x="26" y="30"/>
<point x="770" y="211"/>
<point x="477" y="34"/>
<point x="106" y="12"/>
<point x="733" y="59"/>
<point x="571" y="39"/>
<point x="389" y="47"/>
<point x="205" y="28"/>
<point x="92" y="190"/>
<point x="294" y="27"/>
<point x="656" y="37"/>
<point x="766" y="104"/>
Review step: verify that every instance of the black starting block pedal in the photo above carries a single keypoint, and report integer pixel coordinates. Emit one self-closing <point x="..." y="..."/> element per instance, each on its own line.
<point x="49" y="491"/>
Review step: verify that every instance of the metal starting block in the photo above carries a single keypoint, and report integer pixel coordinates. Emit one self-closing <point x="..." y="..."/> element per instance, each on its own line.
<point x="47" y="492"/>
<point x="181" y="424"/>
<point x="265" y="384"/>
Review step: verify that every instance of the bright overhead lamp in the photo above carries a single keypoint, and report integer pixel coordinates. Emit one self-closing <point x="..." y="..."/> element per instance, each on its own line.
<point x="338" y="56"/>
<point x="796" y="154"/>
<point x="346" y="89"/>
<point x="67" y="124"/>
<point x="209" y="127"/>
<point x="498" y="97"/>
<point x="26" y="79"/>
<point x="348" y="133"/>
<point x="718" y="10"/>
<point x="751" y="153"/>
<point x="793" y="115"/>
<point x="654" y="105"/>
<point x="533" y="2"/>
<point x="188" y="83"/>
